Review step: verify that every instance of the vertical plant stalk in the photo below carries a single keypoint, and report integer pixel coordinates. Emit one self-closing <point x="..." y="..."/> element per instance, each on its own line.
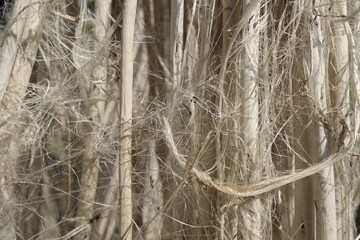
<point x="154" y="13"/>
<point x="176" y="48"/>
<point x="16" y="67"/>
<point x="303" y="220"/>
<point x="90" y="165"/>
<point x="228" y="8"/>
<point x="153" y="200"/>
<point x="9" y="45"/>
<point x="353" y="172"/>
<point x="228" y="92"/>
<point x="48" y="221"/>
<point x="324" y="190"/>
<point x="175" y="58"/>
<point x="102" y="12"/>
<point x="89" y="177"/>
<point x="96" y="110"/>
<point x="341" y="83"/>
<point x="110" y="199"/>
<point x="252" y="217"/>
<point x="126" y="120"/>
<point x="340" y="80"/>
<point x="194" y="65"/>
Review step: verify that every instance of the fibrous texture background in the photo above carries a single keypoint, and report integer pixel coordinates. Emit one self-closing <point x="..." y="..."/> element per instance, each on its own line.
<point x="159" y="119"/>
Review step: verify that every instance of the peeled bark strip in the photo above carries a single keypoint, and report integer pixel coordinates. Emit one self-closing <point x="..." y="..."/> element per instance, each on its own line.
<point x="126" y="120"/>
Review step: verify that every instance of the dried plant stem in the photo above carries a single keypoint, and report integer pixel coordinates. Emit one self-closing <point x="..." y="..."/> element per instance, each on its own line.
<point x="153" y="196"/>
<point x="16" y="71"/>
<point x="324" y="192"/>
<point x="252" y="216"/>
<point x="111" y="198"/>
<point x="343" y="119"/>
<point x="88" y="188"/>
<point x="176" y="42"/>
<point x="126" y="120"/>
<point x="96" y="111"/>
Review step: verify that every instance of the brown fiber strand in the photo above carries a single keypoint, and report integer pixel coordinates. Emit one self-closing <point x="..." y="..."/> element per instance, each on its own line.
<point x="257" y="188"/>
